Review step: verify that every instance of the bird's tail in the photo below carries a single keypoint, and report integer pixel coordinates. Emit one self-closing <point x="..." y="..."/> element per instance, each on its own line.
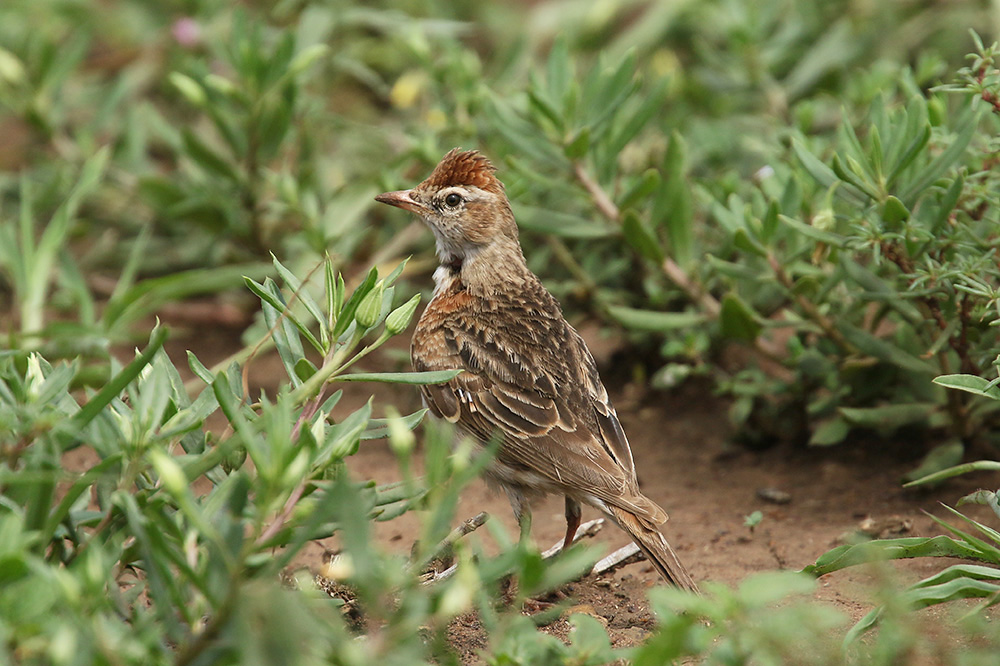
<point x="652" y="543"/>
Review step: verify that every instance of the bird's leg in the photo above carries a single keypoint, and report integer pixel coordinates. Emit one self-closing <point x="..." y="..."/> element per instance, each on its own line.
<point x="523" y="515"/>
<point x="572" y="521"/>
<point x="522" y="512"/>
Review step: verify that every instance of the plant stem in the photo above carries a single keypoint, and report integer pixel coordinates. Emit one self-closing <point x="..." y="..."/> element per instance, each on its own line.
<point x="809" y="308"/>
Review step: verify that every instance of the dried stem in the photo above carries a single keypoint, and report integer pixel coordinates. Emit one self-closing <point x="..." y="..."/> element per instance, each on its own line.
<point x="619" y="558"/>
<point x="670" y="268"/>
<point x="601" y="199"/>
<point x="957" y="401"/>
<point x="809" y="308"/>
<point x="468" y="527"/>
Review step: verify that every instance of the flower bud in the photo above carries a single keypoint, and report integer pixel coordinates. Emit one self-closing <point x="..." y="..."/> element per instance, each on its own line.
<point x="171" y="475"/>
<point x="401" y="437"/>
<point x="11" y="69"/>
<point x="370" y="307"/>
<point x="189" y="88"/>
<point x="221" y="84"/>
<point x="339" y="568"/>
<point x="307" y="57"/>
<point x="399" y="319"/>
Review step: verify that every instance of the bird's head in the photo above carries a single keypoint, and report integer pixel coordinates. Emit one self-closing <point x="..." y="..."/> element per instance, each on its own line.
<point x="464" y="205"/>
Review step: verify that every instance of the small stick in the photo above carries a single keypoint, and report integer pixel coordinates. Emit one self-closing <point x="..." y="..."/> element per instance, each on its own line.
<point x="432" y="577"/>
<point x="468" y="527"/>
<point x="619" y="558"/>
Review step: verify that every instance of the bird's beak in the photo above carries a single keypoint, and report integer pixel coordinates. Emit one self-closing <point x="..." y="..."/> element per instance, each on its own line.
<point x="401" y="199"/>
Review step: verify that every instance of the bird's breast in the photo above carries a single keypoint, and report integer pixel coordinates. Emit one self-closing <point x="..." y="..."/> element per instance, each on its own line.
<point x="428" y="348"/>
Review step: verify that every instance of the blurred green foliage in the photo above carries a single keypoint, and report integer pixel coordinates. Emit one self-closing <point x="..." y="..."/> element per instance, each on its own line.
<point x="814" y="184"/>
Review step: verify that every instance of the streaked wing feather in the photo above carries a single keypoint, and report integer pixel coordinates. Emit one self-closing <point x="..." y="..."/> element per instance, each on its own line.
<point x="543" y="430"/>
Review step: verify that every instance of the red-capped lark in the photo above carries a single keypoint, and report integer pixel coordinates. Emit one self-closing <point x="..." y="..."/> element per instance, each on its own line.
<point x="527" y="374"/>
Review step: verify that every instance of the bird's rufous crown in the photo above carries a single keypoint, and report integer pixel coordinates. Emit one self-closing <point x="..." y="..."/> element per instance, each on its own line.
<point x="469" y="168"/>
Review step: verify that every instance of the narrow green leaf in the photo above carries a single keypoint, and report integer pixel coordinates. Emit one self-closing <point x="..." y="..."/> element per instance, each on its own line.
<point x="271" y="295"/>
<point x="769" y="223"/>
<point x="429" y="377"/>
<point x="643" y="187"/>
<point x="199" y="369"/>
<point x="673" y="208"/>
<point x="562" y="224"/>
<point x="889" y="549"/>
<point x="909" y="155"/>
<point x="852" y="178"/>
<point x="820" y="172"/>
<point x="146" y="296"/>
<point x="118" y="383"/>
<point x="938" y="459"/>
<point x="884" y="351"/>
<point x="877" y="289"/>
<point x="737" y="321"/>
<point x="649" y="320"/>
<point x="948" y="203"/>
<point x="304" y="369"/>
<point x="970" y="384"/>
<point x="207" y="158"/>
<point x="956" y="470"/>
<point x="743" y="241"/>
<point x="379" y="428"/>
<point x="543" y="105"/>
<point x="888" y="416"/>
<point x="559" y="69"/>
<point x="943" y="161"/>
<point x="894" y="212"/>
<point x="875" y="153"/>
<point x="828" y="237"/>
<point x="311" y="306"/>
<point x="330" y="292"/>
<point x="829" y="432"/>
<point x="192" y="91"/>
<point x="578" y="145"/>
<point x="640" y="237"/>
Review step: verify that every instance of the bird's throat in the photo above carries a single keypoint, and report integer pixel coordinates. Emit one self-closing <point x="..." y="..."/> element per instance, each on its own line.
<point x="452" y="263"/>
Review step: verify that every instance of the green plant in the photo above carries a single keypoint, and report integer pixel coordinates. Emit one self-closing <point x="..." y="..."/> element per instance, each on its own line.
<point x="46" y="280"/>
<point x="167" y="546"/>
<point x="744" y="625"/>
<point x="960" y="581"/>
<point x="876" y="273"/>
<point x="862" y="272"/>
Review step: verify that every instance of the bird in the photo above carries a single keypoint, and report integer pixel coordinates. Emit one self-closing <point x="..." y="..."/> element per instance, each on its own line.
<point x="527" y="374"/>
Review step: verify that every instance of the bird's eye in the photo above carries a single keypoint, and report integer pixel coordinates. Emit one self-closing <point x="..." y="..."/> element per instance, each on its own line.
<point x="452" y="200"/>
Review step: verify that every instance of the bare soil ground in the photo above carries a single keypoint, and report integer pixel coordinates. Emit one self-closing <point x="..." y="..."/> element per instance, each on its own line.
<point x="681" y="444"/>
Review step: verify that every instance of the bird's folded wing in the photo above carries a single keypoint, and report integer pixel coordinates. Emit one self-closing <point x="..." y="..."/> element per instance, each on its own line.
<point x="570" y="434"/>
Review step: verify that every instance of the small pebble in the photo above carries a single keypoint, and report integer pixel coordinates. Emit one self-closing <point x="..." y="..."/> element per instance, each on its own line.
<point x="774" y="495"/>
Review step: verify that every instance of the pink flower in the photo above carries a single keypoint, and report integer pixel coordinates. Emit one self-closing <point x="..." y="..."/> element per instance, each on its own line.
<point x="186" y="31"/>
